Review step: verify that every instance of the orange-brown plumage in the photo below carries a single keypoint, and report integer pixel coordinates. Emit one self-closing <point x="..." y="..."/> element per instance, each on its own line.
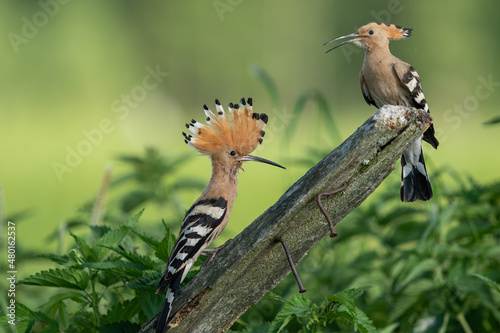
<point x="227" y="139"/>
<point x="239" y="129"/>
<point x="386" y="79"/>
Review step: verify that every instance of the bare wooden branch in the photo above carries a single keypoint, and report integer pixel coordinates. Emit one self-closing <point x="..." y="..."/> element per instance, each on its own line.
<point x="254" y="262"/>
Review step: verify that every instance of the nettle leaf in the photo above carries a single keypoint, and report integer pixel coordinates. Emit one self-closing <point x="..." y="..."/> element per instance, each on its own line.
<point x="82" y="245"/>
<point x="60" y="277"/>
<point x="151" y="241"/>
<point x="353" y="314"/>
<point x="99" y="230"/>
<point x="82" y="319"/>
<point x="494" y="286"/>
<point x="165" y="246"/>
<point x="149" y="302"/>
<point x="57" y="308"/>
<point x="358" y="318"/>
<point x="121" y="312"/>
<point x="61" y="260"/>
<point x="135" y="257"/>
<point x="135" y="218"/>
<point x="110" y="239"/>
<point x="27" y="319"/>
<point x="347" y="297"/>
<point x="297" y="307"/>
<point x="124" y="268"/>
<point x="146" y="282"/>
<point x="59" y="298"/>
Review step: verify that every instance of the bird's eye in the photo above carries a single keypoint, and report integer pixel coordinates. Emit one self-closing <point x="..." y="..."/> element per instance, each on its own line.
<point x="371" y="32"/>
<point x="232" y="153"/>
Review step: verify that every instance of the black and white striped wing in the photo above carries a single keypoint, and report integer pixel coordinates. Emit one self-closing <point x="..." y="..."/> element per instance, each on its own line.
<point x="411" y="82"/>
<point x="199" y="229"/>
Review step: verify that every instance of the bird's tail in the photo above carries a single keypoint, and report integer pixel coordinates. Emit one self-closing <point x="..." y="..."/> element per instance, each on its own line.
<point x="164" y="314"/>
<point x="415" y="183"/>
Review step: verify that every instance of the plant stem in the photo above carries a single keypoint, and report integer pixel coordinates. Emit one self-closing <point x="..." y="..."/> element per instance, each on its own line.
<point x="464" y="323"/>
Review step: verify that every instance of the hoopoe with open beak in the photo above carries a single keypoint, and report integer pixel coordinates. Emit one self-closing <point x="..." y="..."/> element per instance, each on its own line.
<point x="386" y="79"/>
<point x="227" y="139"/>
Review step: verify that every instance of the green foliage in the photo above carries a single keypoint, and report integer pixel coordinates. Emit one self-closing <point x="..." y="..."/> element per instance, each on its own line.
<point x="323" y="112"/>
<point x="395" y="267"/>
<point x="152" y="181"/>
<point x="421" y="267"/>
<point x="337" y="308"/>
<point x="105" y="285"/>
<point x="106" y="281"/>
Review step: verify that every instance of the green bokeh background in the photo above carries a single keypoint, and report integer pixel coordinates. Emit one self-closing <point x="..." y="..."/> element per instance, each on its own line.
<point x="63" y="77"/>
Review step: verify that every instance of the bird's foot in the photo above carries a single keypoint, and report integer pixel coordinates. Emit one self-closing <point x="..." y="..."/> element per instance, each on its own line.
<point x="211" y="256"/>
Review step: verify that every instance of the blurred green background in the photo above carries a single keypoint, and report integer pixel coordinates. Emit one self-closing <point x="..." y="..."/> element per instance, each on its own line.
<point x="75" y="78"/>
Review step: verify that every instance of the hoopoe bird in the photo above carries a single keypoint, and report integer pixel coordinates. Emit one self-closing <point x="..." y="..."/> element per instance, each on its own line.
<point x="386" y="79"/>
<point x="227" y="139"/>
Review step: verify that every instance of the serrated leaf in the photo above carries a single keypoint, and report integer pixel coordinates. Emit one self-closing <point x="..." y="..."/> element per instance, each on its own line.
<point x="61" y="260"/>
<point x="28" y="318"/>
<point x="149" y="302"/>
<point x="110" y="239"/>
<point x="60" y="297"/>
<point x="82" y="245"/>
<point x="297" y="307"/>
<point x="165" y="246"/>
<point x="147" y="281"/>
<point x="151" y="241"/>
<point x="60" y="277"/>
<point x="123" y="268"/>
<point x="358" y="319"/>
<point x="121" y="312"/>
<point x="492" y="284"/>
<point x="354" y="315"/>
<point x="135" y="219"/>
<point x="97" y="231"/>
<point x="56" y="306"/>
<point x="135" y="257"/>
<point x="347" y="297"/>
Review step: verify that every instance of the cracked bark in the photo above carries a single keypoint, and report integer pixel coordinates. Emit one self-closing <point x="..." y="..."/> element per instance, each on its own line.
<point x="254" y="261"/>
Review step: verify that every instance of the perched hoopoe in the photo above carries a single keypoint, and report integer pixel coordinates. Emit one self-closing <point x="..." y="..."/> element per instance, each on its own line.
<point x="386" y="79"/>
<point x="227" y="140"/>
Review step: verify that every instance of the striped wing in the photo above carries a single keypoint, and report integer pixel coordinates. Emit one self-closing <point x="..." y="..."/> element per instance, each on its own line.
<point x="199" y="229"/>
<point x="410" y="80"/>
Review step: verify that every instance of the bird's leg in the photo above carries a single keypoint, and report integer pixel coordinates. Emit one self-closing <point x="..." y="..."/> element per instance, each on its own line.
<point x="292" y="266"/>
<point x="211" y="256"/>
<point x="323" y="210"/>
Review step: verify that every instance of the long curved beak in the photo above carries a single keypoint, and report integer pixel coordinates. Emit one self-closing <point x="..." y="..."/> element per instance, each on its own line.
<point x="259" y="159"/>
<point x="355" y="34"/>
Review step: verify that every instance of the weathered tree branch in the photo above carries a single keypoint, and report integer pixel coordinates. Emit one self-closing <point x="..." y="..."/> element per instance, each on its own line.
<point x="254" y="262"/>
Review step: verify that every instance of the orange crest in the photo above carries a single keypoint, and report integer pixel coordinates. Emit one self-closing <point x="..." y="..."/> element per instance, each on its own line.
<point x="395" y="31"/>
<point x="240" y="129"/>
